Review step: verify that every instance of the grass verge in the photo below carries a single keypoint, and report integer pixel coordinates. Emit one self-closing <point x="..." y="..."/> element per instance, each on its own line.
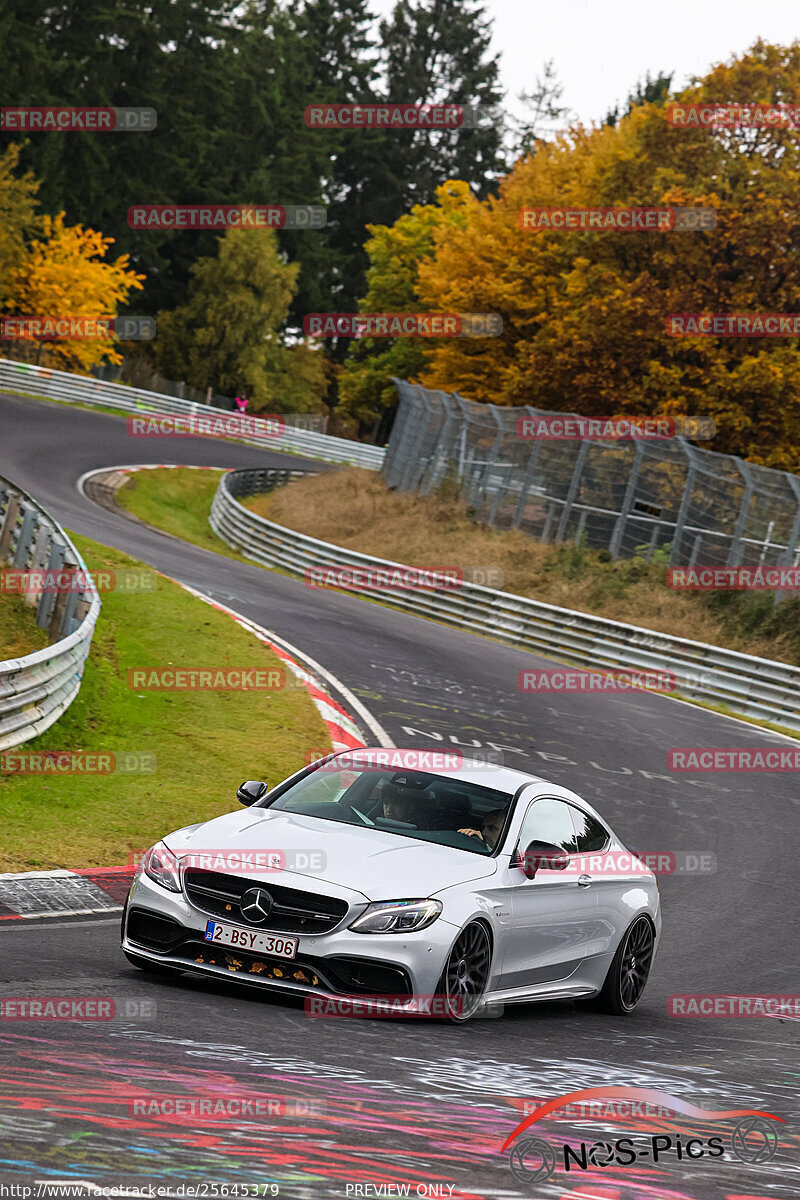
<point x="19" y="633"/>
<point x="177" y="502"/>
<point x="204" y="743"/>
<point x="352" y="508"/>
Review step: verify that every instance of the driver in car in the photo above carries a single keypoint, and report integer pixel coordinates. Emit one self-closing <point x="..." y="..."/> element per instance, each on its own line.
<point x="397" y="804"/>
<point x="490" y="828"/>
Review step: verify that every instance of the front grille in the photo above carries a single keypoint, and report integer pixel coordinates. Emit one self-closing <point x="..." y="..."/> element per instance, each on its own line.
<point x="293" y="911"/>
<point x="153" y="931"/>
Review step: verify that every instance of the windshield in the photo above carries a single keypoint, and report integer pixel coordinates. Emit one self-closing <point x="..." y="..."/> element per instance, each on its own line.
<point x="427" y="808"/>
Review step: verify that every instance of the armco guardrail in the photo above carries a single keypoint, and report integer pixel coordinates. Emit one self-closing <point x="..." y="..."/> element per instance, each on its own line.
<point x="37" y="689"/>
<point x="22" y="378"/>
<point x="748" y="686"/>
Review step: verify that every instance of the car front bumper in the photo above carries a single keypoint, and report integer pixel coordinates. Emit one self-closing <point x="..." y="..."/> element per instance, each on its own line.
<point x="338" y="963"/>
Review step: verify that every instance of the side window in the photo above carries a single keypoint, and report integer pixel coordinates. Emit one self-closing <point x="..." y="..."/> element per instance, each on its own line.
<point x="590" y="835"/>
<point x="548" y="821"/>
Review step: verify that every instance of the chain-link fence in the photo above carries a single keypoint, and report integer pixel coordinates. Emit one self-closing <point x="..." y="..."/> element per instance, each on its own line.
<point x="698" y="507"/>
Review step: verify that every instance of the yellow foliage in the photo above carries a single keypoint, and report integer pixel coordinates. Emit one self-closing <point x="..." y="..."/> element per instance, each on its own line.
<point x="585" y="312"/>
<point x="63" y="273"/>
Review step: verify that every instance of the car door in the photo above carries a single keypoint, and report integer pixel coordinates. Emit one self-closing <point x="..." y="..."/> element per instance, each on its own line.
<point x="554" y="915"/>
<point x="615" y="879"/>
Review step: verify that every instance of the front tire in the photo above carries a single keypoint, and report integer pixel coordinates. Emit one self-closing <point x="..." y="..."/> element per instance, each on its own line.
<point x="466" y="973"/>
<point x="629" y="971"/>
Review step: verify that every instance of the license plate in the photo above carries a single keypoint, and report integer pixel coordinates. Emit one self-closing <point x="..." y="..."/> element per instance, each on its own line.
<point x="251" y="939"/>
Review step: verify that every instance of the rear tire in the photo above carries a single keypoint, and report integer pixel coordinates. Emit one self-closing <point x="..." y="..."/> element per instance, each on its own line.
<point x="629" y="971"/>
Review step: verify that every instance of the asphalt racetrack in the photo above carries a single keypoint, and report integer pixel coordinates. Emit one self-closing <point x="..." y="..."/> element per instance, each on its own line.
<point x="376" y="1104"/>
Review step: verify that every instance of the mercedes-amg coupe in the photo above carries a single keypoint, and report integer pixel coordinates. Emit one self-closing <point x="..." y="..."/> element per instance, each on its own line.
<point x="468" y="887"/>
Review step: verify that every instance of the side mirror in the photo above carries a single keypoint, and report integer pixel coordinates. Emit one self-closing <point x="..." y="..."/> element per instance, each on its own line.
<point x="543" y="854"/>
<point x="251" y="792"/>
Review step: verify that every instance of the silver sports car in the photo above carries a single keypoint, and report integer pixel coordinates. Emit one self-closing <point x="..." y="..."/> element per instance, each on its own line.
<point x="444" y="891"/>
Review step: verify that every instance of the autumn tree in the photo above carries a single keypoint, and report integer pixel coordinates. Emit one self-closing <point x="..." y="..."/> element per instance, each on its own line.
<point x="63" y="273"/>
<point x="227" y="335"/>
<point x="395" y="253"/>
<point x="18" y="206"/>
<point x="585" y="312"/>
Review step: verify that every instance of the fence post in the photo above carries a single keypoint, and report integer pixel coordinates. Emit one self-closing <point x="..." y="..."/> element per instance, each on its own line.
<point x="439" y="456"/>
<point x="9" y="525"/>
<point x="496" y="447"/>
<point x="627" y="503"/>
<point x="47" y="599"/>
<point x="786" y="558"/>
<point x="25" y="538"/>
<point x="408" y="467"/>
<point x="735" y="552"/>
<point x="573" y="491"/>
<point x="529" y="470"/>
<point x="686" y="498"/>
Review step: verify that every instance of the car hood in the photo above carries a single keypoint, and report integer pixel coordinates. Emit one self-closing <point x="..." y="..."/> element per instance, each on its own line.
<point x="379" y="865"/>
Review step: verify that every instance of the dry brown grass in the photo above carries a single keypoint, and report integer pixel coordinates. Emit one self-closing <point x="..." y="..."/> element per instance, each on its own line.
<point x="354" y="509"/>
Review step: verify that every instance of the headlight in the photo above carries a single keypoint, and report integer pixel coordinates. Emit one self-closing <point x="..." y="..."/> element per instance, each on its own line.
<point x="161" y="865"/>
<point x="397" y="916"/>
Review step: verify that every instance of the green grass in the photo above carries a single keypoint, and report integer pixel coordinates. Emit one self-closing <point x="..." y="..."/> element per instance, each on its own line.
<point x="19" y="633"/>
<point x="204" y="743"/>
<point x="177" y="502"/>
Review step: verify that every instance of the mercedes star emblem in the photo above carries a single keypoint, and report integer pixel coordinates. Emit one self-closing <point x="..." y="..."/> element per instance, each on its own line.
<point x="256" y="905"/>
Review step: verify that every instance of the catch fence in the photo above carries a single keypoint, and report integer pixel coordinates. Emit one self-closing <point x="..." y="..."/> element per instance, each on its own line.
<point x="694" y="506"/>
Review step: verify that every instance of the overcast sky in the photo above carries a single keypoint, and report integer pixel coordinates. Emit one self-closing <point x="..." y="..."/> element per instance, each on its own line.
<point x="600" y="50"/>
